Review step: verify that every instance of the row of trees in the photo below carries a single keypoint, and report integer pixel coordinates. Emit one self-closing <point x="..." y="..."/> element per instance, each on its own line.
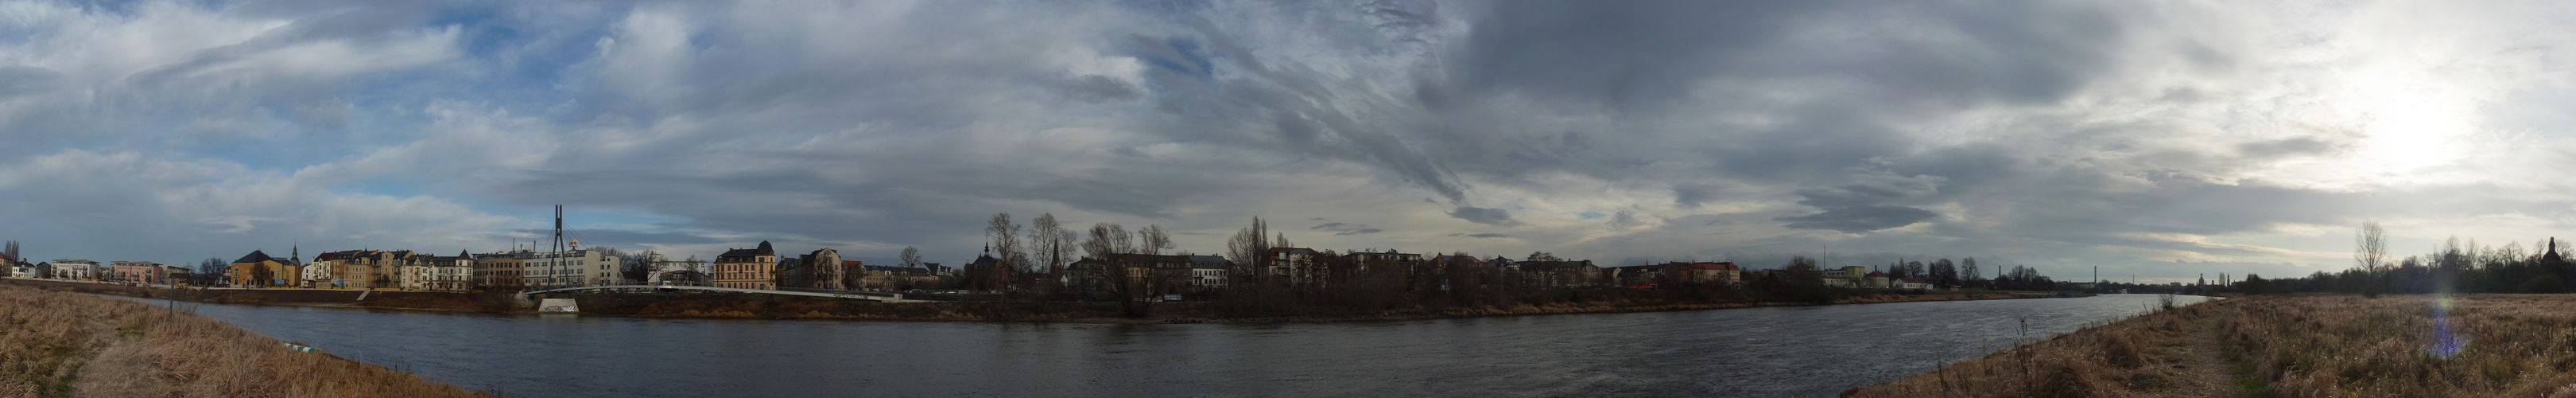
<point x="1030" y="262"/>
<point x="2457" y="267"/>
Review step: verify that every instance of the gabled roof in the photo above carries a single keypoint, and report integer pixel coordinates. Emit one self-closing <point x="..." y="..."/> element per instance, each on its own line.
<point x="1722" y="266"/>
<point x="763" y="250"/>
<point x="254" y="257"/>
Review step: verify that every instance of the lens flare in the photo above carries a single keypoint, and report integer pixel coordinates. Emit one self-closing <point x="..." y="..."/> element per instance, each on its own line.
<point x="2445" y="343"/>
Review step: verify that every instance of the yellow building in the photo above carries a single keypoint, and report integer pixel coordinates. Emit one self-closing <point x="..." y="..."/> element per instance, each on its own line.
<point x="258" y="269"/>
<point x="755" y="268"/>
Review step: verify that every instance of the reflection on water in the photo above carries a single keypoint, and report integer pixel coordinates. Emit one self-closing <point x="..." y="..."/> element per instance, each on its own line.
<point x="1775" y="351"/>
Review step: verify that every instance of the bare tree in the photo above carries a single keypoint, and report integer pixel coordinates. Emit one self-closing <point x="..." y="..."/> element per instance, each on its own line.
<point x="1968" y="269"/>
<point x="1050" y="241"/>
<point x="1250" y="252"/>
<point x="1152" y="240"/>
<point x="1121" y="241"/>
<point x="209" y="266"/>
<point x="911" y="257"/>
<point x="1007" y="251"/>
<point x="2370" y="246"/>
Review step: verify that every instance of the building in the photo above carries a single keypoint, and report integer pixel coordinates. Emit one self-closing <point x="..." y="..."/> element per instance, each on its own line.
<point x="820" y="269"/>
<point x="75" y="269"/>
<point x="1291" y="266"/>
<point x="439" y="273"/>
<point x="359" y="269"/>
<point x="1638" y="276"/>
<point x="324" y="270"/>
<point x="1209" y="272"/>
<point x="691" y="272"/>
<point x="180" y="276"/>
<point x="1561" y="274"/>
<point x="679" y="277"/>
<point x="1143" y="274"/>
<point x="1875" y="280"/>
<point x="144" y="272"/>
<point x="1390" y="261"/>
<point x="503" y="270"/>
<point x="1912" y="283"/>
<point x="754" y="268"/>
<point x="571" y="268"/>
<point x="1717" y="273"/>
<point x="18" y="268"/>
<point x="257" y="269"/>
<point x="886" y="278"/>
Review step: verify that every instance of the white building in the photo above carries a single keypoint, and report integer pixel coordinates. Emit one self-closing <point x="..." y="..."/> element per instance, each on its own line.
<point x="440" y="273"/>
<point x="1208" y="272"/>
<point x="75" y="269"/>
<point x="570" y="268"/>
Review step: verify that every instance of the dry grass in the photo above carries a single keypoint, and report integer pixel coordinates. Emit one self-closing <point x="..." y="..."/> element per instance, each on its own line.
<point x="2304" y="346"/>
<point x="55" y="344"/>
<point x="2149" y="355"/>
<point x="2507" y="345"/>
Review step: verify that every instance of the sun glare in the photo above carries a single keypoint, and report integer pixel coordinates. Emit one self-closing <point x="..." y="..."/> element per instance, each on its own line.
<point x="2407" y="119"/>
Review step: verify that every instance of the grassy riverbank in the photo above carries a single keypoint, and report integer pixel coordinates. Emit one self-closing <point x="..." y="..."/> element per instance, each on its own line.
<point x="58" y="343"/>
<point x="1207" y="312"/>
<point x="405" y="300"/>
<point x="2478" y="345"/>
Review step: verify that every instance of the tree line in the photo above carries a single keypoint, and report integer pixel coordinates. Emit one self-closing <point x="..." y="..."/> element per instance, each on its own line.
<point x="2456" y="267"/>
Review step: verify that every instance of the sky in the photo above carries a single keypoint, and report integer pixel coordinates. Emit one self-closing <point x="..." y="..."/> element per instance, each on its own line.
<point x="2156" y="140"/>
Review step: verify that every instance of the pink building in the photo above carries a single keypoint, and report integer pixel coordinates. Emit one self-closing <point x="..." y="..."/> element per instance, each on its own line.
<point x="136" y="271"/>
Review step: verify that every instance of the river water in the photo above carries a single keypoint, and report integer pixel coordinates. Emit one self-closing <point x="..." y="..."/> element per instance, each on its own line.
<point x="1771" y="351"/>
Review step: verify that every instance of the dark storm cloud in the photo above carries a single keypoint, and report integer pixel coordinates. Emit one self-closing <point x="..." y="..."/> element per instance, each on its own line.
<point x="1869" y="202"/>
<point x="1346" y="228"/>
<point x="1487" y="216"/>
<point x="1859" y="219"/>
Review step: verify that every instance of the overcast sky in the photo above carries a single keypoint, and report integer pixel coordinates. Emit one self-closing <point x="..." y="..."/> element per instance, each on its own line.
<point x="2161" y="139"/>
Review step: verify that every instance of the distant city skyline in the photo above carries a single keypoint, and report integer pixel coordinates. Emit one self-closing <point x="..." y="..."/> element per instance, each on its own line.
<point x="2163" y="140"/>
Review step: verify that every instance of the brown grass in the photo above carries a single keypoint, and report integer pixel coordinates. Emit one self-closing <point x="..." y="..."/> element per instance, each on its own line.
<point x="2303" y="346"/>
<point x="56" y="344"/>
<point x="2511" y="345"/>
<point x="2149" y="355"/>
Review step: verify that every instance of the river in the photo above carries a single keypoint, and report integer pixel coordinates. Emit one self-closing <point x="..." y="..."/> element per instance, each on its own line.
<point x="1770" y="351"/>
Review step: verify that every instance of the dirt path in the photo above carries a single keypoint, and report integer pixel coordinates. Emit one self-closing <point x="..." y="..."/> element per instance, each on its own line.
<point x="2202" y="368"/>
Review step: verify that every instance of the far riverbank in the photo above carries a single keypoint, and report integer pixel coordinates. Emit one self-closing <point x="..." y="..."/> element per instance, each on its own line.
<point x="773" y="307"/>
<point x="1204" y="312"/>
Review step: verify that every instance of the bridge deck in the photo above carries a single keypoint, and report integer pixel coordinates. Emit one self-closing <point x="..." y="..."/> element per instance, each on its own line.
<point x="880" y="297"/>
